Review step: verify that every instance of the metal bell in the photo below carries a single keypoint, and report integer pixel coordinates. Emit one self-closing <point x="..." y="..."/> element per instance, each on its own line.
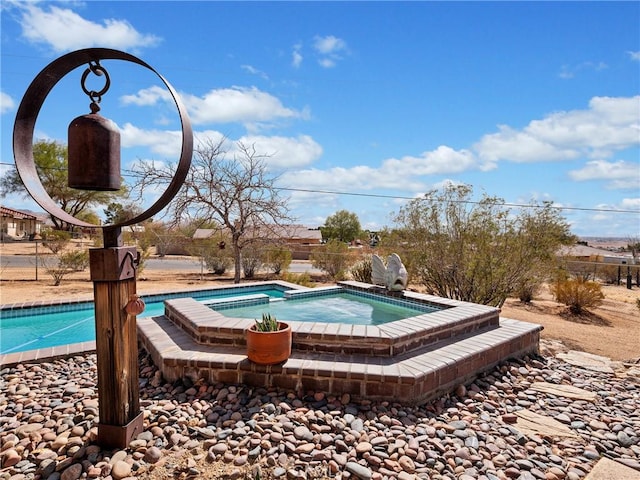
<point x="93" y="153"/>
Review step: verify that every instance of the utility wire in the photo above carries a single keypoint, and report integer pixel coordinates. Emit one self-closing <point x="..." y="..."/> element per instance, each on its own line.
<point x="134" y="174"/>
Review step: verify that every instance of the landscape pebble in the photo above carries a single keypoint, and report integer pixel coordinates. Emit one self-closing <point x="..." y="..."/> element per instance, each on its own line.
<point x="49" y="412"/>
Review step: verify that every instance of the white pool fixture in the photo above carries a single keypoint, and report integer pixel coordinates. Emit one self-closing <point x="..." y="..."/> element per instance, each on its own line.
<point x="393" y="276"/>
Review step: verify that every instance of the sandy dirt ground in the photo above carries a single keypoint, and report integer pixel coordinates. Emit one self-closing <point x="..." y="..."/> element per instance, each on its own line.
<point x="612" y="329"/>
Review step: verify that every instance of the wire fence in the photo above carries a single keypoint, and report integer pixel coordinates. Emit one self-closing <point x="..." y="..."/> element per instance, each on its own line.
<point x="609" y="273"/>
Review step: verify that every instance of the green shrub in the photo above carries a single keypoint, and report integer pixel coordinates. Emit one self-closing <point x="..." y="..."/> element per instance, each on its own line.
<point x="74" y="260"/>
<point x="527" y="290"/>
<point x="217" y="263"/>
<point x="251" y="263"/>
<point x="278" y="259"/>
<point x="55" y="240"/>
<point x="578" y="294"/>
<point x="303" y="279"/>
<point x="608" y="273"/>
<point x="361" y="270"/>
<point x="333" y="258"/>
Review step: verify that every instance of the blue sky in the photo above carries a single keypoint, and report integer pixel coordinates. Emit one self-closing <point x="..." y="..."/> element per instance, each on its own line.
<point x="388" y="100"/>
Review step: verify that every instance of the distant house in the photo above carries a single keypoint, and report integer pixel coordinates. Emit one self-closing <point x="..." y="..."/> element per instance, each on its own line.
<point x="18" y="224"/>
<point x="584" y="253"/>
<point x="300" y="239"/>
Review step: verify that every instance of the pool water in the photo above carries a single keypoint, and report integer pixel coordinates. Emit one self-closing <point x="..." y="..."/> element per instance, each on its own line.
<point x="336" y="308"/>
<point x="41" y="327"/>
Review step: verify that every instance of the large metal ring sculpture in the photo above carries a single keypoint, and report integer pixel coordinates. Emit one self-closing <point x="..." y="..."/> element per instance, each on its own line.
<point x="28" y="113"/>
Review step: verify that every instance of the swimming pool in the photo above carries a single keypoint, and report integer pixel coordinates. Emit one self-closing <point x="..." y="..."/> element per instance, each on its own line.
<point x="24" y="329"/>
<point x="331" y="306"/>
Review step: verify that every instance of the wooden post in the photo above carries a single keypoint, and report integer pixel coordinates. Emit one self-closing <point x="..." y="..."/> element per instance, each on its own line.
<point x="113" y="272"/>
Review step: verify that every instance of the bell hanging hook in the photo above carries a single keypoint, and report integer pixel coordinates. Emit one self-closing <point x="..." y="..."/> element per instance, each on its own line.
<point x="96" y="97"/>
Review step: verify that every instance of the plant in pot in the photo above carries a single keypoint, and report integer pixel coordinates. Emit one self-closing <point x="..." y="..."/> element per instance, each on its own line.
<point x="268" y="341"/>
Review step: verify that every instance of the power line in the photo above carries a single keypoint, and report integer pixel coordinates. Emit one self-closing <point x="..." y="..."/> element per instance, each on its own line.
<point x="133" y="174"/>
<point x="473" y="202"/>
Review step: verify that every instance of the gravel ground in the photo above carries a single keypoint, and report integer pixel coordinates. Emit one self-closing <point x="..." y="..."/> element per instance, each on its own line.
<point x="49" y="410"/>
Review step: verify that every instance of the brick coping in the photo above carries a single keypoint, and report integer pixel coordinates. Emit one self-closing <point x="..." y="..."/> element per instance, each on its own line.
<point x="211" y="327"/>
<point x="463" y="340"/>
<point x="415" y="376"/>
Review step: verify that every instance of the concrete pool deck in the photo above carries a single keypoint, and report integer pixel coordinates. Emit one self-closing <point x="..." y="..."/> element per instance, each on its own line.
<point x="47" y="353"/>
<point x="413" y="359"/>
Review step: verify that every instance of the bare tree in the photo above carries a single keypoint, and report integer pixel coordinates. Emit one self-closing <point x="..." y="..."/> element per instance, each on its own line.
<point x="235" y="191"/>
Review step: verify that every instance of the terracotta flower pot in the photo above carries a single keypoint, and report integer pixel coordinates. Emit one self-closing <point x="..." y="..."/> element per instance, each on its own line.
<point x="268" y="348"/>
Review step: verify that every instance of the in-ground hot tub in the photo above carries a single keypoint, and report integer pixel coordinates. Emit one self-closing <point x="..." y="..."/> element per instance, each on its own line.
<point x="445" y="343"/>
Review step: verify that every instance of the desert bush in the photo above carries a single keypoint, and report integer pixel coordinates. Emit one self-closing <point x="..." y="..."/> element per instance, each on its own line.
<point x="578" y="294"/>
<point x="56" y="271"/>
<point x="528" y="290"/>
<point x="250" y="265"/>
<point x="474" y="250"/>
<point x="56" y="240"/>
<point x="584" y="270"/>
<point x="217" y="262"/>
<point x="361" y="270"/>
<point x="608" y="273"/>
<point x="333" y="258"/>
<point x="56" y="268"/>
<point x="145" y="253"/>
<point x="303" y="279"/>
<point x="75" y="260"/>
<point x="251" y="260"/>
<point x="277" y="259"/>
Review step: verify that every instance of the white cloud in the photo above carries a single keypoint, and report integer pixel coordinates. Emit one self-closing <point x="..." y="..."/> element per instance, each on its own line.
<point x="62" y="29"/>
<point x="285" y="152"/>
<point x="570" y="71"/>
<point x="635" y="55"/>
<point x="147" y="97"/>
<point x="254" y="71"/>
<point x="327" y="62"/>
<point x="610" y="124"/>
<point x="237" y="104"/>
<point x="406" y="174"/>
<point x="618" y="175"/>
<point x="630" y="203"/>
<point x="329" y="45"/>
<point x="330" y="49"/>
<point x="249" y="106"/>
<point x="302" y="201"/>
<point x="7" y="104"/>
<point x="441" y="160"/>
<point x="519" y="146"/>
<point x="281" y="152"/>
<point x="162" y="142"/>
<point x="353" y="179"/>
<point x="296" y="56"/>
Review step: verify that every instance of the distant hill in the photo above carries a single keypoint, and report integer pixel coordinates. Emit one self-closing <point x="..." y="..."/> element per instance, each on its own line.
<point x="606" y="243"/>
